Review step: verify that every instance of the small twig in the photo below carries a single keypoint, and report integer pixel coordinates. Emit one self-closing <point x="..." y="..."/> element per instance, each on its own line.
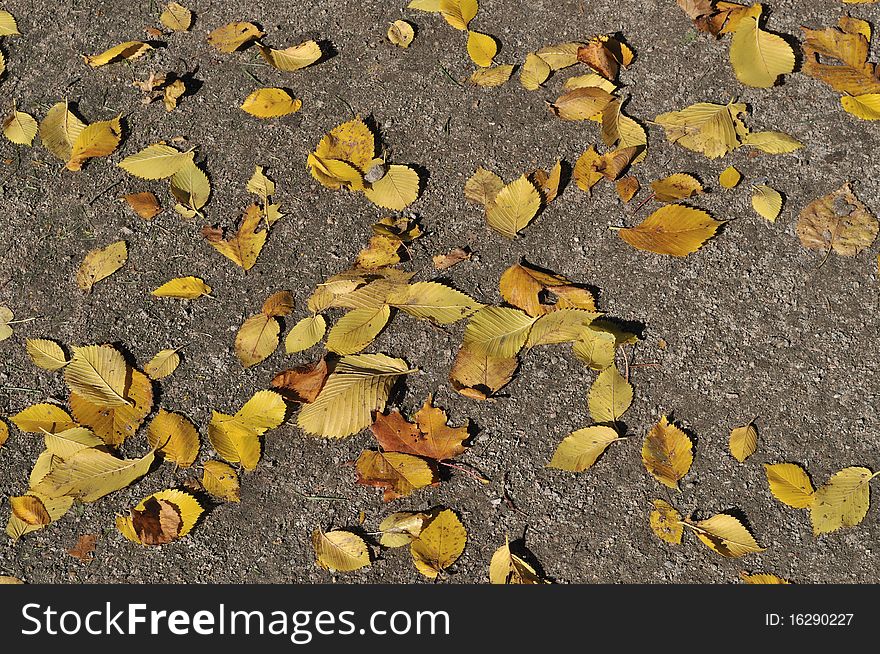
<point x="319" y="498"/>
<point x="113" y="185"/>
<point x="22" y="389"/>
<point x="449" y="75"/>
<point x="347" y="104"/>
<point x="643" y="203"/>
<point x="18" y="322"/>
<point x="465" y="470"/>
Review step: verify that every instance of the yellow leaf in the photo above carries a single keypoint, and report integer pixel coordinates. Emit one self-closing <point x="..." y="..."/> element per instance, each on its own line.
<point x="477" y="375"/>
<point x="116" y="423"/>
<point x="491" y="77"/>
<point x="547" y="182"/>
<point x="176" y="17"/>
<point x="396" y="190"/>
<point x="581" y="103"/>
<point x="221" y="480"/>
<point x="514" y="207"/>
<point x="399" y="529"/>
<point x="6" y="317"/>
<point x="172" y="93"/>
<point x="621" y="129"/>
<point x="483" y="186"/>
<point x="398" y="473"/>
<point x="560" y="326"/>
<point x="97" y="140"/>
<point x="292" y="58"/>
<point x="842" y="502"/>
<point x="743" y="442"/>
<point x="270" y="103"/>
<point x="498" y="331"/>
<point x="163" y="364"/>
<point x="128" y="50"/>
<point x="143" y="204"/>
<point x="790" y="484"/>
<point x="666" y="522"/>
<point x="351" y="141"/>
<point x="667" y="453"/>
<point x="434" y="301"/>
<point x="100" y="263"/>
<point x="55" y="507"/>
<point x="580" y="449"/>
<point x="175" y="436"/>
<point x="46" y="354"/>
<point x="43" y="417"/>
<point x="65" y="444"/>
<point x="190" y="187"/>
<point x="772" y="142"/>
<point x="237" y="438"/>
<point x="610" y="396"/>
<point x="8" y="26"/>
<point x="92" y="473"/>
<point x="865" y="106"/>
<point x="585" y="173"/>
<point x="59" y="130"/>
<point x="729" y="177"/>
<point x="245" y="247"/>
<point x="231" y="37"/>
<point x="458" y="13"/>
<point x="704" y="127"/>
<point x="674" y="229"/>
<point x="20" y="128"/>
<point x="261" y="185"/>
<point x="439" y="545"/>
<point x="561" y="55"/>
<point x="401" y="33"/>
<point x="676" y="187"/>
<point x="183" y="288"/>
<point x="358" y="385"/>
<point x="759" y="57"/>
<point x="432" y="6"/>
<point x="596" y="348"/>
<point x="482" y="48"/>
<point x="256" y="339"/>
<point x="762" y="579"/>
<point x="357" y="329"/>
<point x="4" y="433"/>
<point x="98" y="373"/>
<point x="304" y="334"/>
<point x="591" y="79"/>
<point x="534" y="72"/>
<point x="161" y="518"/>
<point x="156" y="161"/>
<point x="767" y="202"/>
<point x="340" y="551"/>
<point x="725" y="535"/>
<point x="30" y="510"/>
<point x="507" y="568"/>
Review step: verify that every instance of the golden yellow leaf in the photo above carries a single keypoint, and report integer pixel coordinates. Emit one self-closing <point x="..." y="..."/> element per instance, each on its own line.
<point x="183" y="288"/>
<point x="534" y="72"/>
<point x="676" y="187"/>
<point x="759" y="58"/>
<point x="306" y="333"/>
<point x="191" y="188"/>
<point x="357" y="329"/>
<point x="439" y="545"/>
<point x="434" y="301"/>
<point x="865" y="106"/>
<point x="772" y="142"/>
<point x="351" y="141"/>
<point x="96" y="140"/>
<point x="610" y="396"/>
<point x="432" y="6"/>
<point x="292" y="58"/>
<point x="231" y="37"/>
<point x="580" y="449"/>
<point x="842" y="502"/>
<point x="498" y="331"/>
<point x="56" y="507"/>
<point x="547" y="182"/>
<point x="514" y="207"/>
<point x="507" y="568"/>
<point x="729" y="177"/>
<point x="524" y="286"/>
<point x="237" y="438"/>
<point x="20" y="128"/>
<point x="256" y="339"/>
<point x="483" y="186"/>
<point x="395" y="190"/>
<point x="340" y="551"/>
<point x="156" y="161"/>
<point x="46" y="354"/>
<point x="491" y="77"/>
<point x="117" y="422"/>
<point x="100" y="263"/>
<point x="399" y="529"/>
<point x="43" y="417"/>
<point x="767" y="202"/>
<point x="270" y="103"/>
<point x="581" y="103"/>
<point x="175" y="436"/>
<point x="674" y="229"/>
<point x="477" y="375"/>
<point x="666" y="522"/>
<point x="596" y="348"/>
<point x="128" y="50"/>
<point x="667" y="453"/>
<point x="65" y="444"/>
<point x="626" y="188"/>
<point x="586" y="174"/>
<point x="358" y="385"/>
<point x="762" y="579"/>
<point x="725" y="535"/>
<point x="161" y="518"/>
<point x="59" y="130"/>
<point x="221" y="480"/>
<point x="482" y="48"/>
<point x="591" y="79"/>
<point x="458" y="13"/>
<point x="401" y="33"/>
<point x="98" y="373"/>
<point x="30" y="510"/>
<point x="704" y="127"/>
<point x="560" y="55"/>
<point x="145" y="204"/>
<point x="743" y="442"/>
<point x="839" y="58"/>
<point x="163" y="364"/>
<point x="399" y="474"/>
<point x="790" y="484"/>
<point x="92" y="473"/>
<point x="4" y="433"/>
<point x="8" y="27"/>
<point x="560" y="326"/>
<point x="176" y="17"/>
<point x="244" y="248"/>
<point x="837" y="221"/>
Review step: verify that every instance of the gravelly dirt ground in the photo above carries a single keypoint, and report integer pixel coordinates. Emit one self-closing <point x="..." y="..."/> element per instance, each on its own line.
<point x="753" y="326"/>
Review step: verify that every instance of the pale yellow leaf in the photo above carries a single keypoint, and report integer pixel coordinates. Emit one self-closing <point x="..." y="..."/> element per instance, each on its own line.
<point x="96" y="140"/>
<point x="43" y="417"/>
<point x="256" y="339"/>
<point x="20" y="128"/>
<point x="100" y="263"/>
<point x="306" y="333"/>
<point x="759" y="57"/>
<point x="610" y="396"/>
<point x="743" y="442"/>
<point x="176" y="17"/>
<point x="433" y="301"/>
<point x="726" y="535"/>
<point x="92" y="473"/>
<point x="292" y="58"/>
<point x="491" y="77"/>
<point x="46" y="354"/>
<point x="458" y="13"/>
<point x="59" y="130"/>
<point x="482" y="48"/>
<point x="439" y="545"/>
<point x="534" y="72"/>
<point x="580" y="449"/>
<point x="507" y="568"/>
<point x="114" y="424"/>
<point x="163" y="364"/>
<point x="183" y="288"/>
<point x="498" y="331"/>
<point x="156" y="161"/>
<point x="767" y="202"/>
<point x="270" y="103"/>
<point x="514" y="207"/>
<point x="340" y="551"/>
<point x="357" y="329"/>
<point x="729" y="177"/>
<point x="842" y="502"/>
<point x="98" y="373"/>
<point x="401" y="33"/>
<point x="396" y="190"/>
<point x="790" y="484"/>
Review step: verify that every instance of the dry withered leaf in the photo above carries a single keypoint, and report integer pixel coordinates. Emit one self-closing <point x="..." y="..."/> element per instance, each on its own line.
<point x="144" y="204"/>
<point x="839" y="222"/>
<point x="84" y="550"/>
<point x="451" y="258"/>
<point x="303" y="383"/>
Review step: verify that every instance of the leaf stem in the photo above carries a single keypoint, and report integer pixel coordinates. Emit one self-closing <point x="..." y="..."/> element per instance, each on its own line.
<point x="465" y="470"/>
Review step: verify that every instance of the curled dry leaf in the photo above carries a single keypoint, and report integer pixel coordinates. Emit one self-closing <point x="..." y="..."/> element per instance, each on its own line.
<point x="676" y="187"/>
<point x="161" y="518"/>
<point x="761" y="578"/>
<point x="292" y="58"/>
<point x="507" y="568"/>
<point x="451" y="258"/>
<point x="244" y="248"/>
<point x="397" y="473"/>
<point x="302" y="384"/>
<point x="401" y="33"/>
<point x="124" y="51"/>
<point x="84" y="549"/>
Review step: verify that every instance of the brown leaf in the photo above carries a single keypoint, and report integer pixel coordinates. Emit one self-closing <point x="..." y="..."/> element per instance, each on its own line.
<point x="523" y="286"/>
<point x="278" y="304"/>
<point x="478" y="375"/>
<point x="429" y="437"/>
<point x="84" y="548"/>
<point x="158" y="523"/>
<point x="599" y="58"/>
<point x="303" y="383"/>
<point x="397" y="473"/>
<point x="451" y="258"/>
<point x="839" y="222"/>
<point x="144" y="204"/>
